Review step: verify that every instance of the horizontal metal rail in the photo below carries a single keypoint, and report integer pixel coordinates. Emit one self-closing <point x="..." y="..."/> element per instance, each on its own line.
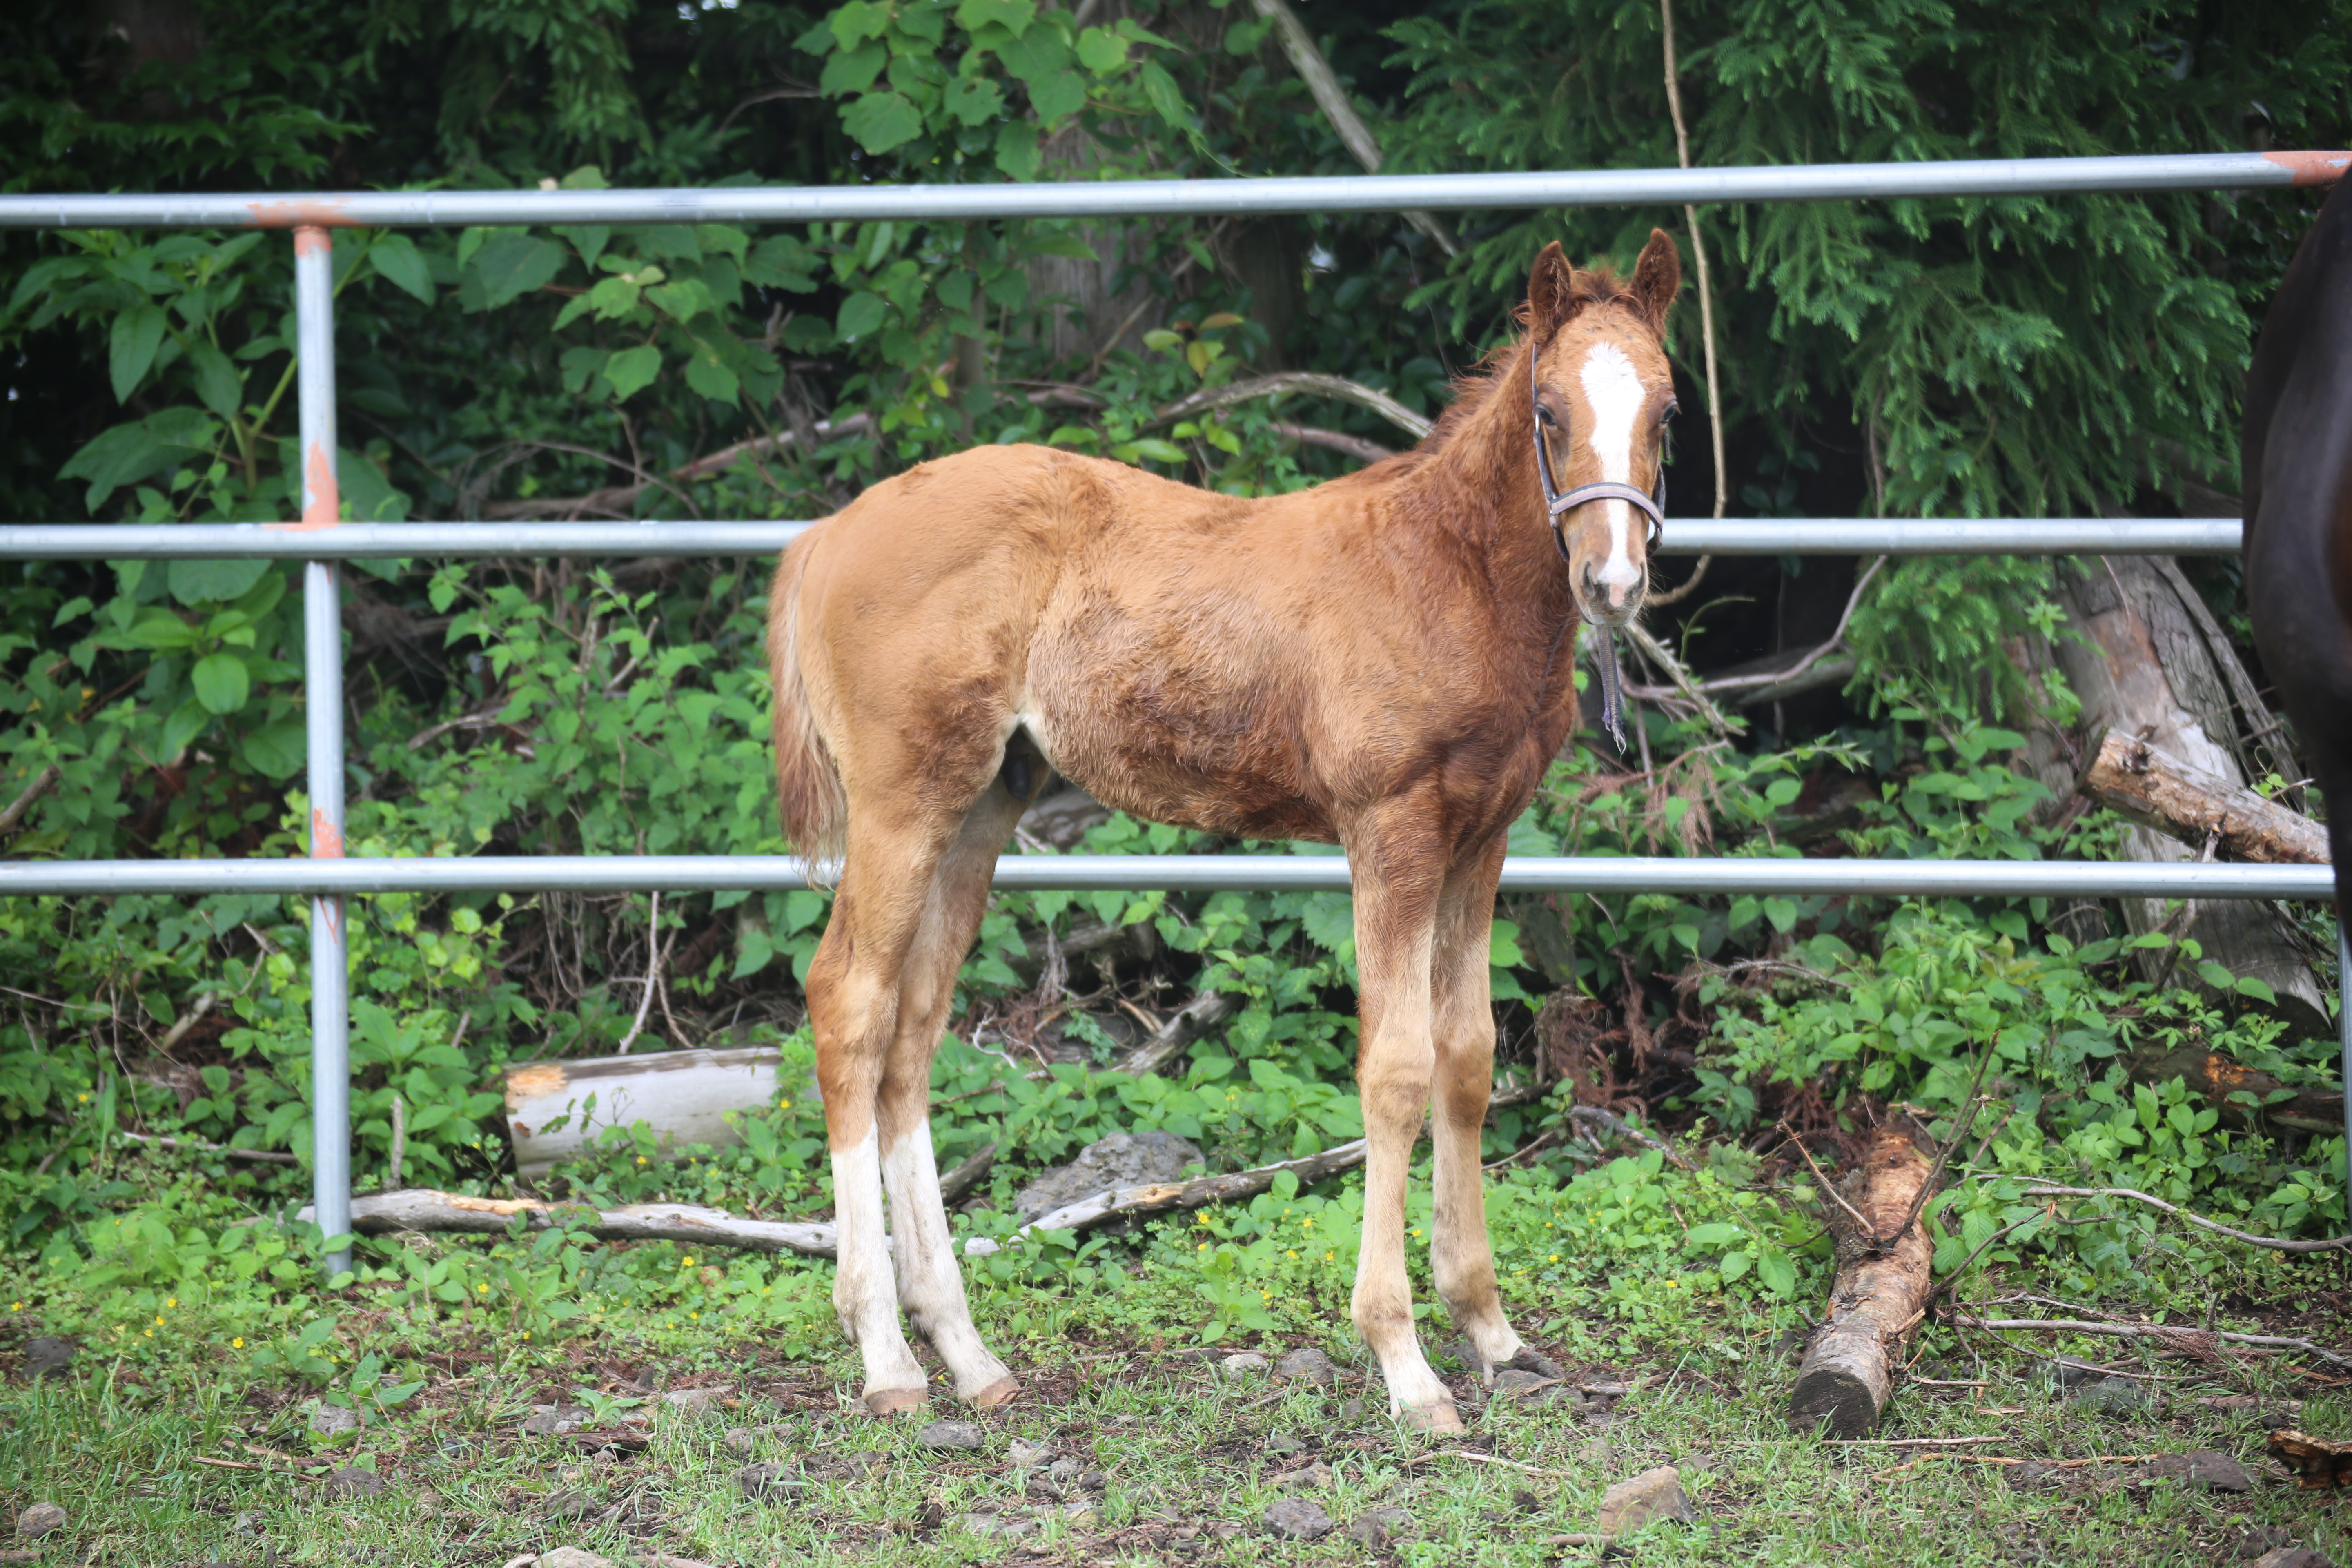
<point x="1176" y="873"/>
<point x="1683" y="536"/>
<point x="1175" y="198"/>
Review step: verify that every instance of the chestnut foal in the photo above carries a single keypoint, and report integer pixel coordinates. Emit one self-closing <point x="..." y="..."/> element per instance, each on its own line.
<point x="1383" y="661"/>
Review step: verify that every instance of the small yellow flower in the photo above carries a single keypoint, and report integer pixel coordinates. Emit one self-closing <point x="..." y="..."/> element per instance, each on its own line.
<point x="784" y="1105"/>
<point x="483" y="1290"/>
<point x="1310" y="1223"/>
<point x="151" y="1334"/>
<point x="1555" y="1258"/>
<point x="1328" y="1257"/>
<point x="1673" y="1284"/>
<point x="82" y="1099"/>
<point x="170" y="1301"/>
<point x="238" y="1343"/>
<point x="696" y="1316"/>
<point x="686" y="1262"/>
<point x="16" y="1307"/>
<point x="640" y="1159"/>
<point x="1293" y="1253"/>
<point x="159" y="1320"/>
<point x="1204" y="1247"/>
<point x="526" y="1333"/>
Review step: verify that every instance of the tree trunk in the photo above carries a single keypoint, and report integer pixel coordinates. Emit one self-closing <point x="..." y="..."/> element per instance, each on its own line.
<point x="1090" y="314"/>
<point x="2149" y="662"/>
<point x="1881" y="1292"/>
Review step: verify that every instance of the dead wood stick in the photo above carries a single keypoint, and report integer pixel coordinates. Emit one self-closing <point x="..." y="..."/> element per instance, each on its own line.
<point x="43" y="782"/>
<point x="2174" y="797"/>
<point x="265" y="1156"/>
<point x="1337" y="441"/>
<point x="1595" y="1116"/>
<point x="1323" y="87"/>
<point x="968" y="1173"/>
<point x="2003" y="1459"/>
<point x="422" y="1209"/>
<point x="2161" y="1333"/>
<point x="1312" y="384"/>
<point x="1884" y="1269"/>
<point x="1480" y="1458"/>
<point x="1196" y="1018"/>
<point x="622" y="500"/>
<point x="2334" y="1243"/>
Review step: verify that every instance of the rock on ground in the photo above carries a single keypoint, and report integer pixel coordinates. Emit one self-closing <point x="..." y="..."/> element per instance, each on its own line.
<point x="571" y="1557"/>
<point x="1532" y="1388"/>
<point x="1242" y="1367"/>
<point x="1121" y="1160"/>
<point x="950" y="1434"/>
<point x="2115" y="1397"/>
<point x="1650" y="1496"/>
<point x="1296" y="1519"/>
<point x="1317" y="1474"/>
<point x="1026" y="1455"/>
<point x="353" y="1483"/>
<point x="2204" y="1468"/>
<point x="1375" y="1527"/>
<point x="45" y="1355"/>
<point x="772" y="1481"/>
<point x="2291" y="1557"/>
<point x="40" y="1519"/>
<point x="333" y="1420"/>
<point x="1308" y="1366"/>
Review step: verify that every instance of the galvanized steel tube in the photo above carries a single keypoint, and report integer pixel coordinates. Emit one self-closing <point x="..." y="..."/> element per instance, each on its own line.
<point x="1683" y="536"/>
<point x="322" y="680"/>
<point x="1171" y="198"/>
<point x="1693" y="877"/>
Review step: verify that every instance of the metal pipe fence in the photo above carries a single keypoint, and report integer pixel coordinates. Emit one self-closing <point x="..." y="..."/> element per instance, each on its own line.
<point x="320" y="540"/>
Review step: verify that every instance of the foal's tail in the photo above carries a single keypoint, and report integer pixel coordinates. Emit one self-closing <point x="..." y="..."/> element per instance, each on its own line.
<point x="808" y="781"/>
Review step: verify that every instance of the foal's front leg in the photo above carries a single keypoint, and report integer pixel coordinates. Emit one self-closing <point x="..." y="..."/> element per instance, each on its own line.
<point x="1463" y="1029"/>
<point x="1396" y="908"/>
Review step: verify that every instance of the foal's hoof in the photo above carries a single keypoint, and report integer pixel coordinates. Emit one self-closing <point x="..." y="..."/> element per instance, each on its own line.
<point x="887" y="1402"/>
<point x="1437" y="1418"/>
<point x="1001" y="1392"/>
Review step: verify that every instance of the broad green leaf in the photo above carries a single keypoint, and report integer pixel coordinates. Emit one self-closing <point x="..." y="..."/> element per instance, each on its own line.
<point x="860" y="314"/>
<point x="1012" y="16"/>
<point x="221" y="681"/>
<point x="2218" y="978"/>
<point x="218" y="385"/>
<point x="188" y="720"/>
<point x="2260" y="990"/>
<point x="780" y="261"/>
<point x="136" y="335"/>
<point x="860" y="19"/>
<point x="1101" y="51"/>
<point x="881" y="121"/>
<point x="367" y="496"/>
<point x="1715" y="1234"/>
<point x="1016" y="154"/>
<point x="129" y="453"/>
<point x="632" y="370"/>
<point x="399" y="263"/>
<point x="1035" y="55"/>
<point x="213" y="582"/>
<point x="276" y="750"/>
<point x="708" y="376"/>
<point x="509" y="266"/>
<point x="1057" y="96"/>
<point x="682" y="300"/>
<point x="853" y="71"/>
<point x="1167" y="100"/>
<point x="1779" y="1274"/>
<point x="974" y="100"/>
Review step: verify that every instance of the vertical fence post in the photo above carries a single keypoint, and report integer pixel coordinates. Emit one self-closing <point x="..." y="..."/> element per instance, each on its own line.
<point x="2344" y="1035"/>
<point x="322" y="659"/>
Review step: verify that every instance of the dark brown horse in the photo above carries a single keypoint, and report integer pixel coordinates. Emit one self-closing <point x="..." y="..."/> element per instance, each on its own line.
<point x="2296" y="470"/>
<point x="1383" y="661"/>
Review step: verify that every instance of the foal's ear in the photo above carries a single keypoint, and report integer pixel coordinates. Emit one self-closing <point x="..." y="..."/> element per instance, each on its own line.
<point x="1550" y="287"/>
<point x="1657" y="278"/>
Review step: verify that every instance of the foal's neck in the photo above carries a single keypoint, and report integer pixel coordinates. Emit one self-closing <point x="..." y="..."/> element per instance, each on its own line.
<point x="1481" y="488"/>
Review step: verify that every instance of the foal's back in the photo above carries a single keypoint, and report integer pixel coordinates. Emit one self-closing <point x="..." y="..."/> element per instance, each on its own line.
<point x="1168" y="647"/>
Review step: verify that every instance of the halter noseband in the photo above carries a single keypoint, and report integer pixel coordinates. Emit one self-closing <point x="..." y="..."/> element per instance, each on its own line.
<point x="1651" y="503"/>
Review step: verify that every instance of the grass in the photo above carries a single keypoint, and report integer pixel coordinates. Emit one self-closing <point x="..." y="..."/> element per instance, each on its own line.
<point x="1182" y="1452"/>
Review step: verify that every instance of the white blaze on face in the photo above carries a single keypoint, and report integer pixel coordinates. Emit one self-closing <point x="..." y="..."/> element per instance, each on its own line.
<point x="1614" y="390"/>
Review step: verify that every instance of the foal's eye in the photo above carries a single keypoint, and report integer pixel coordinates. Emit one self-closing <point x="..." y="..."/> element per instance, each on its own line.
<point x="1543" y="413"/>
<point x="1667" y="414"/>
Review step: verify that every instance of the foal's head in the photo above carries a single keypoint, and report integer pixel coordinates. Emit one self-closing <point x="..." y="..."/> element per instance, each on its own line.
<point x="1603" y="394"/>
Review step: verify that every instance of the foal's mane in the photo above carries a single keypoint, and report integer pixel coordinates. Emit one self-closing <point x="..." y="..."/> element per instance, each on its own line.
<point x="1474" y="389"/>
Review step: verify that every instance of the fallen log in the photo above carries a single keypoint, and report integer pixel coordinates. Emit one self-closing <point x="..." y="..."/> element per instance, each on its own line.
<point x="2243" y="1096"/>
<point x="2158" y="790"/>
<point x="1884" y="1273"/>
<point x="424" y="1209"/>
<point x="554" y="1109"/>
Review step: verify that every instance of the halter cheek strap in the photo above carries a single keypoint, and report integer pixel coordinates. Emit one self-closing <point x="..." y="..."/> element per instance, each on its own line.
<point x="1557" y="502"/>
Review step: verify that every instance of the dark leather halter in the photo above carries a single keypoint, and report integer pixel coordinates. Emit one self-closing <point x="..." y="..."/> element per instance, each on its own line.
<point x="1651" y="503"/>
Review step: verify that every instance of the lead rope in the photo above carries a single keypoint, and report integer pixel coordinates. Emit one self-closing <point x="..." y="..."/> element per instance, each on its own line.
<point x="1613" y="703"/>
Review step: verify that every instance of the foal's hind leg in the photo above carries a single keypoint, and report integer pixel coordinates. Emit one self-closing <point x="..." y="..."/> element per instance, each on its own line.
<point x="853" y="996"/>
<point x="1464" y="1031"/>
<point x="930" y="1285"/>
